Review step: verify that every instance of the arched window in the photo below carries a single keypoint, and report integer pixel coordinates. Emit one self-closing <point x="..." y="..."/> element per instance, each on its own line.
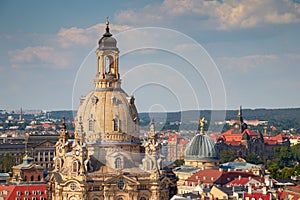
<point x="75" y="166"/>
<point x="116" y="127"/>
<point x="118" y="163"/>
<point x="39" y="177"/>
<point x="107" y="64"/>
<point x="31" y="178"/>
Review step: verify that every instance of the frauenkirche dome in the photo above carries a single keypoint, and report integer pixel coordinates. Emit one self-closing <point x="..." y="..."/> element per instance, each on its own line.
<point x="108" y="115"/>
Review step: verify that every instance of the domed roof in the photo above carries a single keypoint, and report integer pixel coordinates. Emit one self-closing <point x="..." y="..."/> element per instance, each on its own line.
<point x="107" y="41"/>
<point x="201" y="147"/>
<point x="108" y="110"/>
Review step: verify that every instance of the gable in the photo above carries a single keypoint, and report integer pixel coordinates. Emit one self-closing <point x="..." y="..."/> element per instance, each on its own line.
<point x="126" y="179"/>
<point x="45" y="143"/>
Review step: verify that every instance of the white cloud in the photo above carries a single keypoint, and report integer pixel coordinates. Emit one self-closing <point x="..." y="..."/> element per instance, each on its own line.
<point x="230" y="14"/>
<point x="39" y="56"/>
<point x="245" y="63"/>
<point x="74" y="36"/>
<point x="60" y="48"/>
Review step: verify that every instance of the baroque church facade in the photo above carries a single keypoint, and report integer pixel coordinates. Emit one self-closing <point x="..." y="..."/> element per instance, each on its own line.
<point x="107" y="160"/>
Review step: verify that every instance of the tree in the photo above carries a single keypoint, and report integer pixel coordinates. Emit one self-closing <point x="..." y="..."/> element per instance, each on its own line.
<point x="296" y="152"/>
<point x="253" y="158"/>
<point x="179" y="162"/>
<point x="227" y="156"/>
<point x="273" y="169"/>
<point x="8" y="161"/>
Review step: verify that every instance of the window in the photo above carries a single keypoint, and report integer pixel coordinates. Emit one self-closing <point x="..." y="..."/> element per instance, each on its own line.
<point x="115" y="121"/>
<point x="17" y="198"/>
<point x="73" y="186"/>
<point x="42" y="198"/>
<point x="33" y="192"/>
<point x="39" y="192"/>
<point x="118" y="163"/>
<point x="107" y="64"/>
<point x="75" y="166"/>
<point x="33" y="198"/>
<point x="39" y="177"/>
<point x="31" y="178"/>
<point x="120" y="198"/>
<point x="96" y="188"/>
<point x="142" y="198"/>
<point x="26" y="192"/>
<point x="121" y="185"/>
<point x="19" y="193"/>
<point x="91" y="125"/>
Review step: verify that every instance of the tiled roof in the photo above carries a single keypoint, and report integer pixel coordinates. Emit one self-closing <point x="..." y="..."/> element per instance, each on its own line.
<point x="23" y="191"/>
<point x="214" y="176"/>
<point x="175" y="138"/>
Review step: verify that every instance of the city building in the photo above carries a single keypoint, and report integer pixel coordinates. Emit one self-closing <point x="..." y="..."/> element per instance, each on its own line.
<point x="42" y="149"/>
<point x="106" y="159"/>
<point x="200" y="154"/>
<point x="176" y="146"/>
<point x="27" y="171"/>
<point x="27" y="182"/>
<point x="243" y="141"/>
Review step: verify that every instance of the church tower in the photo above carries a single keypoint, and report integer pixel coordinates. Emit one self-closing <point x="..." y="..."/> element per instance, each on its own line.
<point x="105" y="159"/>
<point x="108" y="115"/>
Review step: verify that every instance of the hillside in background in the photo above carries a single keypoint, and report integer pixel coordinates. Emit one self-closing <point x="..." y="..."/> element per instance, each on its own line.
<point x="282" y="119"/>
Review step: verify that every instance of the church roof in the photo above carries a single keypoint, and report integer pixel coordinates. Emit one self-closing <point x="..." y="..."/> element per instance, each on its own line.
<point x="201" y="147"/>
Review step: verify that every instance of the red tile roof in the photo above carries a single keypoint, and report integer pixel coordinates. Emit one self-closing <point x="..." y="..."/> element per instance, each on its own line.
<point x="175" y="138"/>
<point x="23" y="191"/>
<point x="242" y="181"/>
<point x="257" y="195"/>
<point x="290" y="192"/>
<point x="214" y="176"/>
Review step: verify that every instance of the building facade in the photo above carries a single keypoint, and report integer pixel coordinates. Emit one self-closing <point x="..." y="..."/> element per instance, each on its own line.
<point x="244" y="141"/>
<point x="106" y="159"/>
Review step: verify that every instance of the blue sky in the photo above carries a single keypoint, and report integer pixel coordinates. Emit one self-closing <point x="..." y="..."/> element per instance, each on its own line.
<point x="254" y="45"/>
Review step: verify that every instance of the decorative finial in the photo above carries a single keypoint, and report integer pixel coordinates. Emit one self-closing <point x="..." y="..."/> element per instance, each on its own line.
<point x="202" y="123"/>
<point x="107" y="22"/>
<point x="107" y="33"/>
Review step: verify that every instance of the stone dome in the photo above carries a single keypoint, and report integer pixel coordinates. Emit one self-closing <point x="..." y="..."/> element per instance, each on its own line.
<point x="201" y="147"/>
<point x="107" y="42"/>
<point x="105" y="111"/>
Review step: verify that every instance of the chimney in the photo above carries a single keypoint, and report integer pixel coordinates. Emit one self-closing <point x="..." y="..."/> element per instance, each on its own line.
<point x="250" y="189"/>
<point x="264" y="190"/>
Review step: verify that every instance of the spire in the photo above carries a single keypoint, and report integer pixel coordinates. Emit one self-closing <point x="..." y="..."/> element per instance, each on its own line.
<point x="240" y="115"/>
<point x="202" y="123"/>
<point x="63" y="134"/>
<point x="63" y="123"/>
<point x="107" y="33"/>
<point x="152" y="126"/>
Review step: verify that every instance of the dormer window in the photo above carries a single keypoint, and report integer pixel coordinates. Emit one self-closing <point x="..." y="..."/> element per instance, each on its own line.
<point x="118" y="163"/>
